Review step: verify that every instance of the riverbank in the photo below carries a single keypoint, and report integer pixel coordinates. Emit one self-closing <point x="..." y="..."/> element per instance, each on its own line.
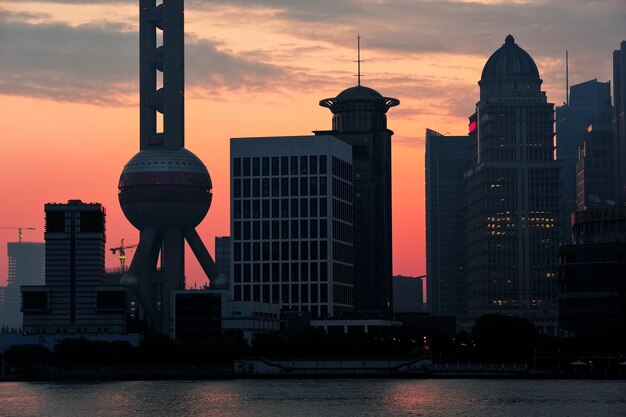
<point x="265" y="369"/>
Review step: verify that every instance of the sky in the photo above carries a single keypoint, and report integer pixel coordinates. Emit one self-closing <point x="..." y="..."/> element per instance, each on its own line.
<point x="69" y="89"/>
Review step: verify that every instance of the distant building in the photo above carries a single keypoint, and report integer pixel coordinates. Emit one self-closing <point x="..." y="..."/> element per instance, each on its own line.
<point x="222" y="255"/>
<point x="408" y="294"/>
<point x="360" y="120"/>
<point x="592" y="282"/>
<point x="619" y="120"/>
<point x="75" y="300"/>
<point x="589" y="102"/>
<point x="594" y="169"/>
<point x="446" y="162"/>
<point x="199" y="314"/>
<point x="291" y="223"/>
<point x="512" y="195"/>
<point x="26" y="267"/>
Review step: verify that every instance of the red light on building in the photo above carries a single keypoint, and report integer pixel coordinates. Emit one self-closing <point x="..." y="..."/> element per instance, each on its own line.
<point x="472" y="127"/>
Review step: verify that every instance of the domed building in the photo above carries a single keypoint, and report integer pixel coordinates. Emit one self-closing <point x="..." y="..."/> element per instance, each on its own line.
<point x="360" y="120"/>
<point x="512" y="194"/>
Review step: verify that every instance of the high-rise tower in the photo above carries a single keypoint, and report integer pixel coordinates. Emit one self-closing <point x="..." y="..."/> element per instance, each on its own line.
<point x="360" y="120"/>
<point x="512" y="194"/>
<point x="446" y="162"/>
<point x="164" y="190"/>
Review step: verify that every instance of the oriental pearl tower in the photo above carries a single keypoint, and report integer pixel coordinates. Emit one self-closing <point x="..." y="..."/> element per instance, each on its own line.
<point x="164" y="190"/>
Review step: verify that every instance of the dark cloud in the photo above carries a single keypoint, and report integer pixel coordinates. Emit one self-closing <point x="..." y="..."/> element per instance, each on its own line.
<point x="98" y="63"/>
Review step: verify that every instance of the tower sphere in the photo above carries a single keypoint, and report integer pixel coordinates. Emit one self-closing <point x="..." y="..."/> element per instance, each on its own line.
<point x="165" y="188"/>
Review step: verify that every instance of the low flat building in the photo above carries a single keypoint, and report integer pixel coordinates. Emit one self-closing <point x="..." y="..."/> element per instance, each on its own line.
<point x="199" y="314"/>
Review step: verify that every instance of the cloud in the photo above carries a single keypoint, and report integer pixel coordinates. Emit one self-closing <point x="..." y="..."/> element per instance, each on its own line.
<point x="98" y="64"/>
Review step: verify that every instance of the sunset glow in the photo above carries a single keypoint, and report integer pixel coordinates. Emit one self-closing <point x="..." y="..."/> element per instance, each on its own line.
<point x="68" y="90"/>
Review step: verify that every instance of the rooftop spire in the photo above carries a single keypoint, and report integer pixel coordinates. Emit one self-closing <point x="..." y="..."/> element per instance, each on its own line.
<point x="358" y="59"/>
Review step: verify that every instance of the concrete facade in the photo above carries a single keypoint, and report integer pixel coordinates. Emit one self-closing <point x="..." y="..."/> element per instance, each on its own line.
<point x="291" y="223"/>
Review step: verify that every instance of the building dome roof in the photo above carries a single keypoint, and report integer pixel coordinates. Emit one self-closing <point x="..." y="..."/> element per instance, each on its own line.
<point x="359" y="99"/>
<point x="359" y="92"/>
<point x="510" y="61"/>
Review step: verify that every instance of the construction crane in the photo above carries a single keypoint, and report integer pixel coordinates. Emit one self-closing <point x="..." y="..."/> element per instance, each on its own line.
<point x="122" y="250"/>
<point x="19" y="231"/>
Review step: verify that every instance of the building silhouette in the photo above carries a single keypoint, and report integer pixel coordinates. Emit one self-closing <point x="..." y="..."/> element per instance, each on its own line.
<point x="619" y="120"/>
<point x="26" y="267"/>
<point x="589" y="102"/>
<point x="408" y="294"/>
<point x="594" y="169"/>
<point x="75" y="300"/>
<point x="512" y="192"/>
<point x="446" y="163"/>
<point x="360" y="120"/>
<point x="291" y="223"/>
<point x="591" y="274"/>
<point x="222" y="255"/>
<point x="164" y="190"/>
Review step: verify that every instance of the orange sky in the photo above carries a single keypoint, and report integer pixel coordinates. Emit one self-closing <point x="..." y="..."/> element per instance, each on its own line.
<point x="68" y="90"/>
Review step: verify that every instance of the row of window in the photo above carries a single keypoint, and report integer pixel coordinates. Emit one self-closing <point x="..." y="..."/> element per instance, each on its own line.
<point x="283" y="165"/>
<point x="280" y="187"/>
<point x="280" y="208"/>
<point x="282" y="293"/>
<point x="282" y="272"/>
<point x="286" y="251"/>
<point x="280" y="229"/>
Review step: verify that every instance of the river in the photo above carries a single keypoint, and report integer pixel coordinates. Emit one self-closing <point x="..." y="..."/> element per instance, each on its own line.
<point x="332" y="397"/>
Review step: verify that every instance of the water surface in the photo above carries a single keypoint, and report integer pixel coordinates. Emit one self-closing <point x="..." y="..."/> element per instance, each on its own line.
<point x="347" y="397"/>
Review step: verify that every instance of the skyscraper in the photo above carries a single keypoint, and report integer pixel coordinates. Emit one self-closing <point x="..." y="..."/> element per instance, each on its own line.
<point x="446" y="162"/>
<point x="619" y="120"/>
<point x="75" y="298"/>
<point x="26" y="267"/>
<point x="291" y="223"/>
<point x="360" y="120"/>
<point x="512" y="188"/>
<point x="589" y="102"/>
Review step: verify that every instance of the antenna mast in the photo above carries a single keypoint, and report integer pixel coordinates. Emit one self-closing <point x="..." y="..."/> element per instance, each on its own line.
<point x="566" y="78"/>
<point x="358" y="59"/>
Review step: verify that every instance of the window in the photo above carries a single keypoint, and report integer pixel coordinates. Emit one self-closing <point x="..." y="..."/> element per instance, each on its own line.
<point x="237" y="167"/>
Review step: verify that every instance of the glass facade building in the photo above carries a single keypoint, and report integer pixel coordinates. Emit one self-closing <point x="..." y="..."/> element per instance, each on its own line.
<point x="446" y="162"/>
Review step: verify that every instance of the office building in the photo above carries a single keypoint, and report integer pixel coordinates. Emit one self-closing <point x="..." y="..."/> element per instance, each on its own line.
<point x="26" y="267"/>
<point x="591" y="274"/>
<point x="291" y="223"/>
<point x="512" y="195"/>
<point x="446" y="163"/>
<point x="75" y="300"/>
<point x="589" y="102"/>
<point x="360" y="120"/>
